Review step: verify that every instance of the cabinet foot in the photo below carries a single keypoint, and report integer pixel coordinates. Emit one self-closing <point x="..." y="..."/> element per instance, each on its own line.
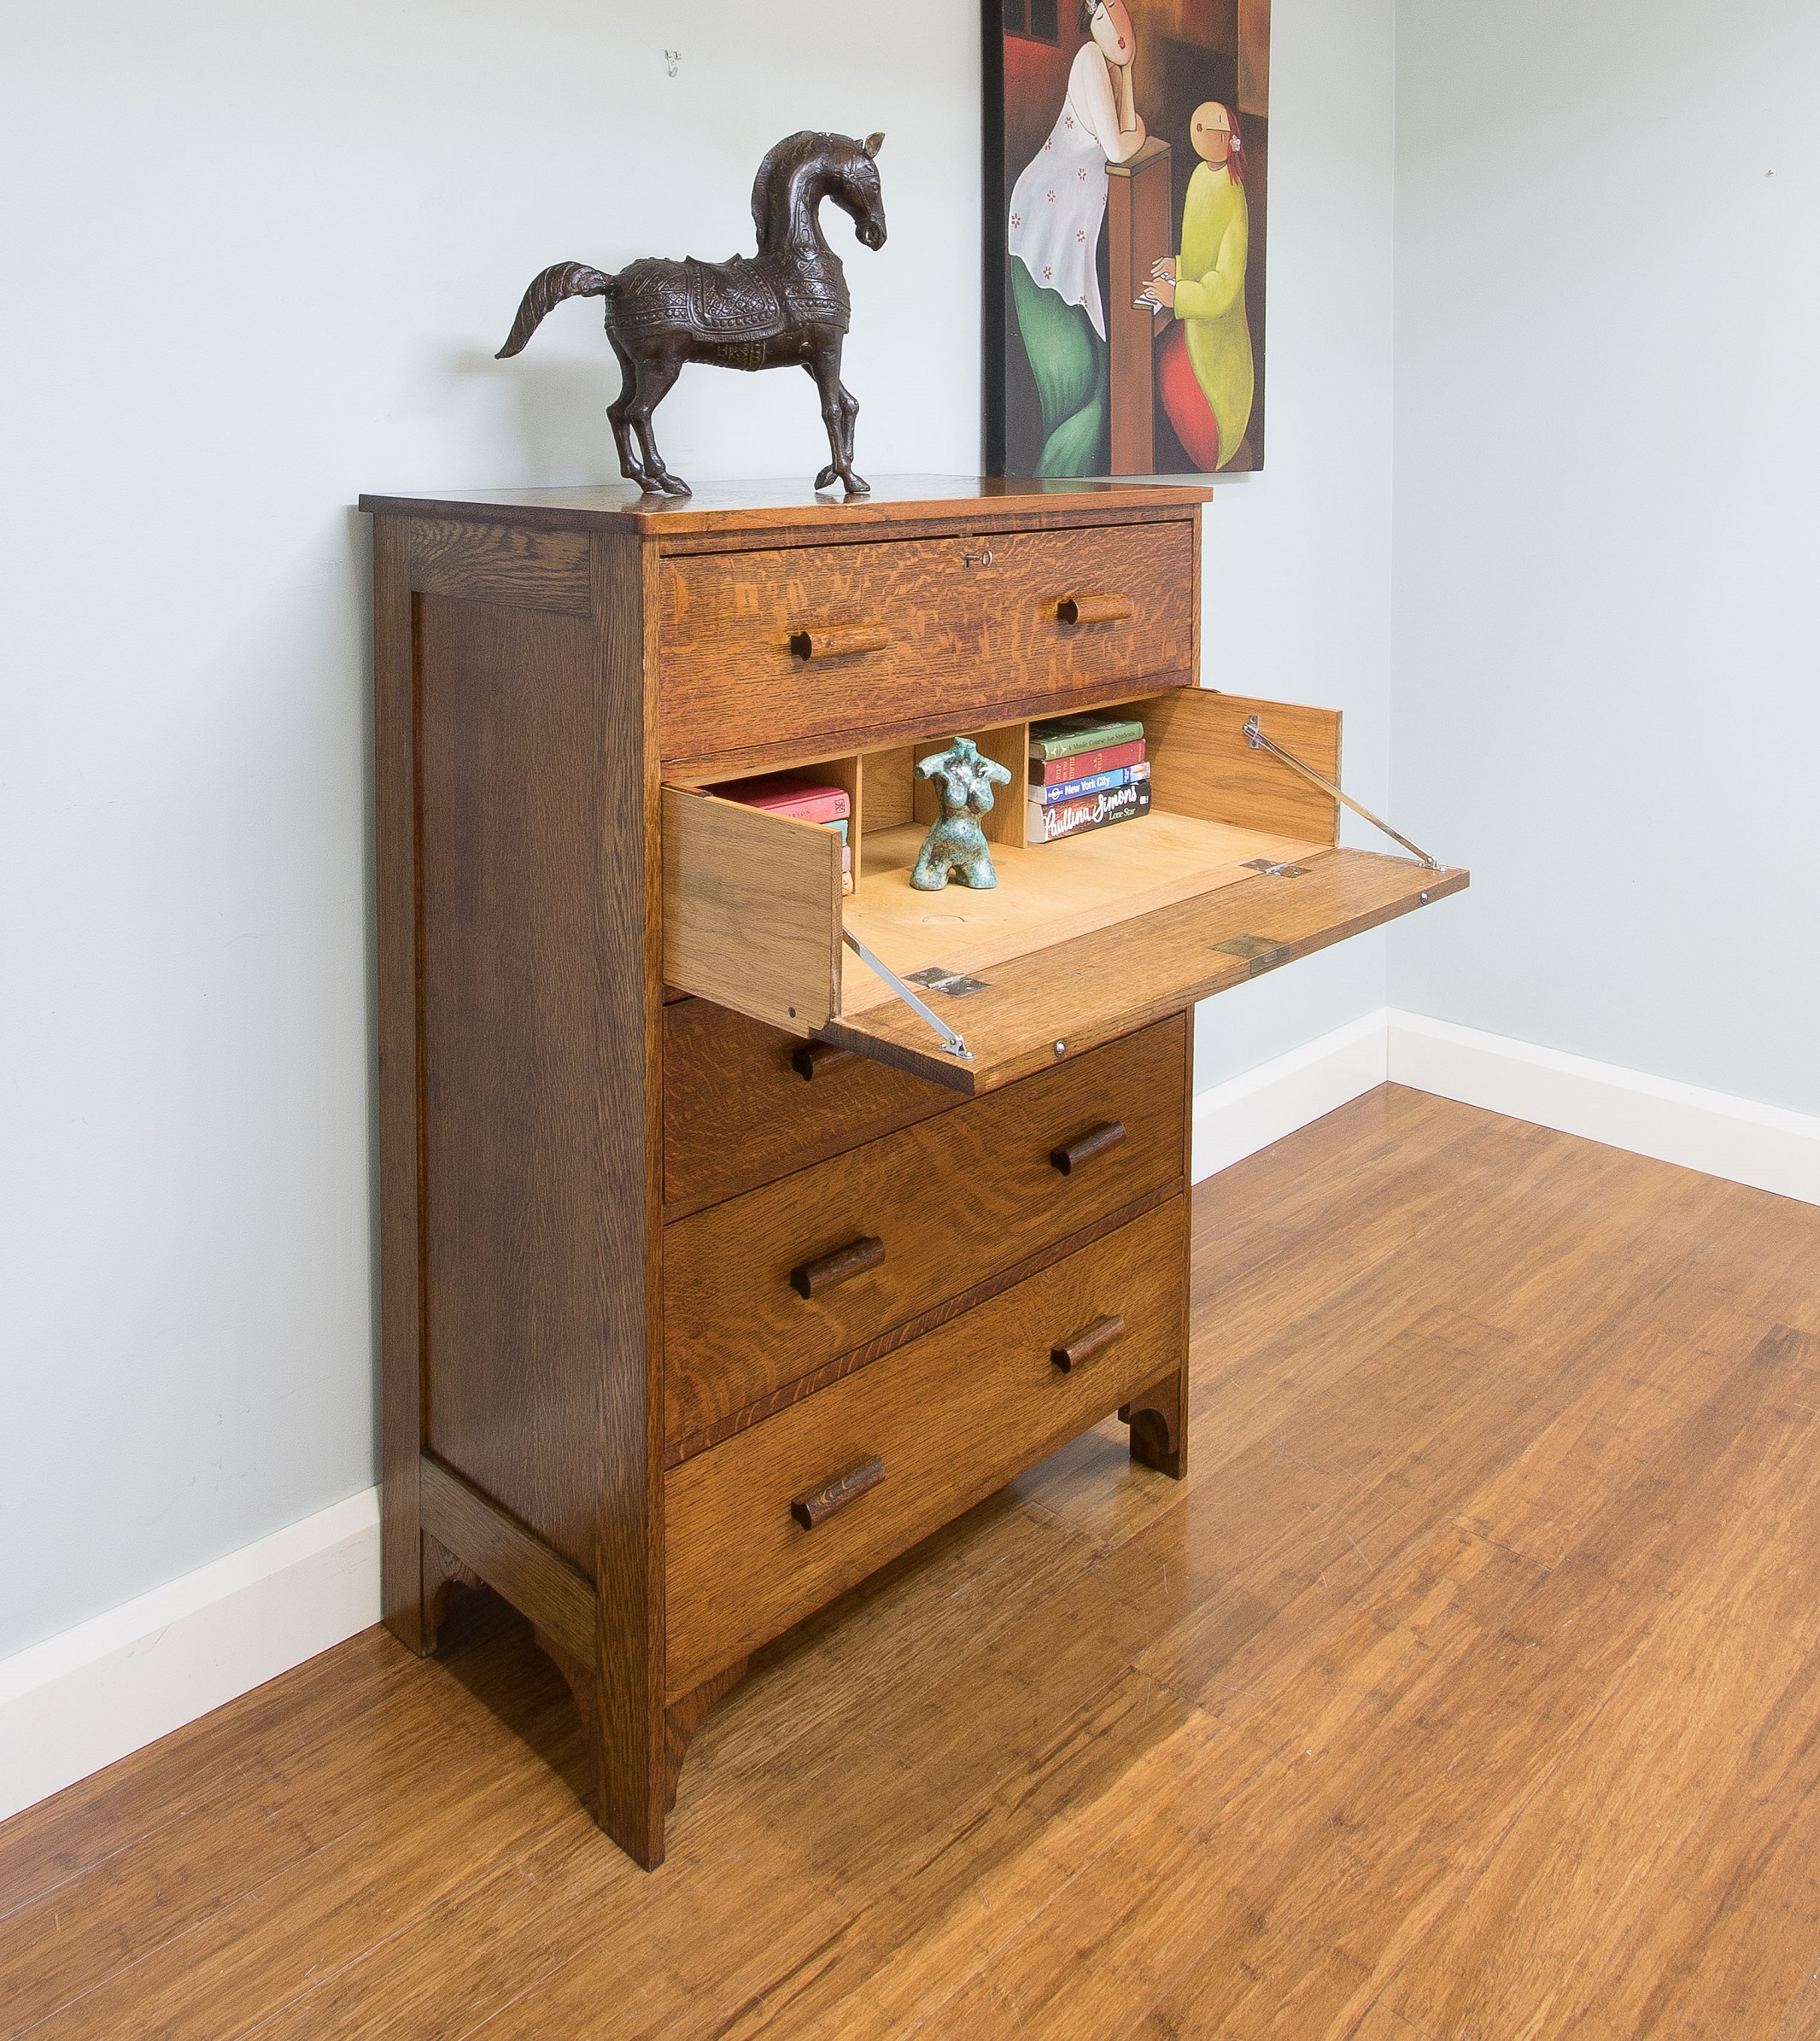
<point x="682" y="1719"/>
<point x="584" y="1684"/>
<point x="1158" y="1418"/>
<point x="441" y="1570"/>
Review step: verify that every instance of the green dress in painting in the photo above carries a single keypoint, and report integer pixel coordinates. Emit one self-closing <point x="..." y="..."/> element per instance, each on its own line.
<point x="1058" y="205"/>
<point x="1067" y="361"/>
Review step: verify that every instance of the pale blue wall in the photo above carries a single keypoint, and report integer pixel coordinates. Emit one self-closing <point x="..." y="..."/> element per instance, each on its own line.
<point x="1297" y="576"/>
<point x="1607" y="528"/>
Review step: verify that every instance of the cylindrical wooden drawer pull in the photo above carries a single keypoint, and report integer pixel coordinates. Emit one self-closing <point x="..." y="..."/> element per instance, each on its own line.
<point x="809" y="1060"/>
<point x="1068" y="1353"/>
<point x="1093" y="609"/>
<point x="815" y="1278"/>
<point x="1084" y="1147"/>
<point x="839" y="640"/>
<point x="817" y="1507"/>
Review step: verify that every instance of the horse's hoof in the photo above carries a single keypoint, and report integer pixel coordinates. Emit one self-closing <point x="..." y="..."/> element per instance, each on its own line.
<point x="856" y="485"/>
<point x="673" y="485"/>
<point x="825" y="480"/>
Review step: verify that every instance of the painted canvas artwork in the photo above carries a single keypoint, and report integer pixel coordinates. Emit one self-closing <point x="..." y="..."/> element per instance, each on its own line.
<point x="1127" y="149"/>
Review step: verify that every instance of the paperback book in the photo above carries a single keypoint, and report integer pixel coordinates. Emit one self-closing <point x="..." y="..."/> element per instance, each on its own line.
<point x="1074" y="790"/>
<point x="1083" y="765"/>
<point x="1049" y="824"/>
<point x="1066" y="736"/>
<point x="786" y="793"/>
<point x="839" y="829"/>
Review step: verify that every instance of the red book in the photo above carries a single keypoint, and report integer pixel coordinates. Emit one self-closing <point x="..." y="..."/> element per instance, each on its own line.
<point x="786" y="793"/>
<point x="1053" y="772"/>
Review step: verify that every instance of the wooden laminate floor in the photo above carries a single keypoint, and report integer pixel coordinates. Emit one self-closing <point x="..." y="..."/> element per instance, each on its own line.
<point x="1469" y="1690"/>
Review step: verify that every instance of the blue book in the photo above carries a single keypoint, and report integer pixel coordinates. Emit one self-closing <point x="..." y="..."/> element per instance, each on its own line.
<point x="1071" y="790"/>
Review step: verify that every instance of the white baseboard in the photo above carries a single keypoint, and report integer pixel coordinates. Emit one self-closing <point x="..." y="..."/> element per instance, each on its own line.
<point x="78" y="1701"/>
<point x="112" y="1684"/>
<point x="1248" y="1113"/>
<point x="1767" y="1146"/>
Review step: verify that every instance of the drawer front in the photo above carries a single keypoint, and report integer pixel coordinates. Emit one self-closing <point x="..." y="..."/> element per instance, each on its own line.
<point x="944" y="1203"/>
<point x="738" y="1111"/>
<point x="942" y="640"/>
<point x="952" y="1417"/>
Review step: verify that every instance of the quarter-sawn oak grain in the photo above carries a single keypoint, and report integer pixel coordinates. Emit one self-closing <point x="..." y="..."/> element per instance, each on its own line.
<point x="397" y="907"/>
<point x="953" y="1199"/>
<point x="967" y="632"/>
<point x="720" y="512"/>
<point x="1152" y="964"/>
<point x="737" y="1112"/>
<point x="752" y="909"/>
<point x="951" y="1416"/>
<point x="555" y="1595"/>
<point x="1201" y="764"/>
<point x="955" y="1305"/>
<point x="500" y="562"/>
<point x="516" y="1052"/>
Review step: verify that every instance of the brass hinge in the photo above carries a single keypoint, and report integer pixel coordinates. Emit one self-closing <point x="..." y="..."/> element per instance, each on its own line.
<point x="1262" y="952"/>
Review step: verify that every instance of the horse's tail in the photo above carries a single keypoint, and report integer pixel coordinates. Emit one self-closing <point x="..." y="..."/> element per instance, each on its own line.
<point x="559" y="281"/>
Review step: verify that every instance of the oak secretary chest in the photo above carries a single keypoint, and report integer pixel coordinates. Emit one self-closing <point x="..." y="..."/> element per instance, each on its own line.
<point x="714" y="1273"/>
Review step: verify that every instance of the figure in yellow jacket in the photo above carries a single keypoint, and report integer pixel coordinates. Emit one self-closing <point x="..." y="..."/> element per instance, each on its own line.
<point x="1204" y="372"/>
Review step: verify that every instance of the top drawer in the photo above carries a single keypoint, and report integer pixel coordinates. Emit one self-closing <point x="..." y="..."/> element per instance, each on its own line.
<point x="791" y="648"/>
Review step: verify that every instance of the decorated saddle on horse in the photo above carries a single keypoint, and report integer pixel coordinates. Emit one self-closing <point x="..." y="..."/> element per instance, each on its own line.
<point x="738" y="300"/>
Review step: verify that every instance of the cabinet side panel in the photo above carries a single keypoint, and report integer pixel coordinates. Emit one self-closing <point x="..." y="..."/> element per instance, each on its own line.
<point x="1201" y="765"/>
<point x="526" y="1134"/>
<point x="394" y="885"/>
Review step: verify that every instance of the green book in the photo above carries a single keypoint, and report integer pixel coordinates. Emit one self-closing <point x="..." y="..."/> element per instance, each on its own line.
<point x="1062" y="736"/>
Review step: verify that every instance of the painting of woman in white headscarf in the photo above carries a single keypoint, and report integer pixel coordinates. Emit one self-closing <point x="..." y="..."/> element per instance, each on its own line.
<point x="1127" y="150"/>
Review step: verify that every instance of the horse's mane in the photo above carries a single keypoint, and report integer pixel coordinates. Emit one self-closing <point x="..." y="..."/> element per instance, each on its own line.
<point x="781" y="162"/>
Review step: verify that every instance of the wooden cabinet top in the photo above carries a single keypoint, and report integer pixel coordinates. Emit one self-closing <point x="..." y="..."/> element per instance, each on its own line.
<point x="731" y="507"/>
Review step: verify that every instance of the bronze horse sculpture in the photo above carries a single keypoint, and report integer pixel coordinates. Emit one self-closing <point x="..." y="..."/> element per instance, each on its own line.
<point x="787" y="307"/>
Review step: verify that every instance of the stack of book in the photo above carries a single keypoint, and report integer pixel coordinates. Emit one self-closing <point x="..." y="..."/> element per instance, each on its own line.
<point x="1086" y="772"/>
<point x="805" y="801"/>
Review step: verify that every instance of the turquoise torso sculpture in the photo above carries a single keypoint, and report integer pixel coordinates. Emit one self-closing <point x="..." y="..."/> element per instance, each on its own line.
<point x="956" y="847"/>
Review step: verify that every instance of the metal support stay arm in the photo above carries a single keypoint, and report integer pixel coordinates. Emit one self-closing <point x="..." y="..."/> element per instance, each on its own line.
<point x="950" y="1040"/>
<point x="1259" y="742"/>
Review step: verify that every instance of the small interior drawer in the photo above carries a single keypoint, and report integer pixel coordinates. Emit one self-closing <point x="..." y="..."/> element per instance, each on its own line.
<point x="1235" y="869"/>
<point x="764" y="650"/>
<point x="951" y="1417"/>
<point x="946" y="1204"/>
